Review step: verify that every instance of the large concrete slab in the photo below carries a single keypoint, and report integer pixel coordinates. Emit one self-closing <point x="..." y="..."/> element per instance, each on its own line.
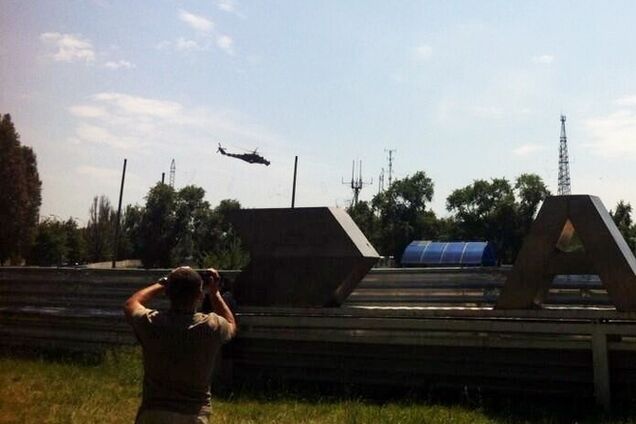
<point x="300" y="256"/>
<point x="541" y="257"/>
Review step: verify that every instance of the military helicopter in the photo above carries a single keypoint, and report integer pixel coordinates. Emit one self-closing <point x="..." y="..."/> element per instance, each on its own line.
<point x="253" y="157"/>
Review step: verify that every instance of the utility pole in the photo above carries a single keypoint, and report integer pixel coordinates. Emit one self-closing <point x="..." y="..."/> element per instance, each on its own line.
<point x="390" y="152"/>
<point x="294" y="183"/>
<point x="173" y="170"/>
<point x="564" y="162"/>
<point x="356" y="183"/>
<point x="381" y="181"/>
<point x="118" y="223"/>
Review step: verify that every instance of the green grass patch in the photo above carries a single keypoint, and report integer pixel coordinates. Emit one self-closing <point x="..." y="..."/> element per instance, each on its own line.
<point x="45" y="388"/>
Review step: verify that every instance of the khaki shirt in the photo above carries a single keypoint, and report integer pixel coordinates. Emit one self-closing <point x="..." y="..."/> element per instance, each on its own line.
<point x="179" y="351"/>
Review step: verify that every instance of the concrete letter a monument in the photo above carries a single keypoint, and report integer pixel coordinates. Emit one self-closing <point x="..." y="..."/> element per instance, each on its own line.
<point x="544" y="254"/>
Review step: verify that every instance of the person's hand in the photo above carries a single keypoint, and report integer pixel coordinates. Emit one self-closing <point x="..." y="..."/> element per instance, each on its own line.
<point x="212" y="280"/>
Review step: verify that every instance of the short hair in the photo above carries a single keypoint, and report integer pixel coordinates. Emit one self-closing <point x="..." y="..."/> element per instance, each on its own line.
<point x="183" y="286"/>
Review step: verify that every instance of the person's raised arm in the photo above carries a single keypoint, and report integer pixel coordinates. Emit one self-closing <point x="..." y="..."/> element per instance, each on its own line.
<point x="219" y="306"/>
<point x="142" y="296"/>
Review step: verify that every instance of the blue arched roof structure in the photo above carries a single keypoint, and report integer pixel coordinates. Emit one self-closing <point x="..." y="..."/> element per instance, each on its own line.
<point x="449" y="253"/>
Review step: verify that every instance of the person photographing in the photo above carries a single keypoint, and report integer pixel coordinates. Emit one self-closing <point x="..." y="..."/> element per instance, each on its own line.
<point x="179" y="345"/>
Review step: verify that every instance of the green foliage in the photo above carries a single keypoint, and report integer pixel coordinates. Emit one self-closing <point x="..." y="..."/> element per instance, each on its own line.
<point x="497" y="212"/>
<point x="180" y="227"/>
<point x="622" y="216"/>
<point x="100" y="230"/>
<point x="57" y="243"/>
<point x="231" y="255"/>
<point x="398" y="215"/>
<point x="20" y="195"/>
<point x="50" y="244"/>
<point x="218" y="243"/>
<point x="491" y="210"/>
<point x="366" y="218"/>
<point x="129" y="237"/>
<point x="157" y="236"/>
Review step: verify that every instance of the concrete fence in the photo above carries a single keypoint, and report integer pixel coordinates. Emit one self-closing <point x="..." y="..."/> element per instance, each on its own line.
<point x="400" y="327"/>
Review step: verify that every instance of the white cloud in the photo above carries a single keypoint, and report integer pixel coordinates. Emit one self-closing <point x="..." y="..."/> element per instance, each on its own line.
<point x="227" y="5"/>
<point x="626" y="101"/>
<point x="87" y="111"/>
<point x="95" y="134"/>
<point x="182" y="44"/>
<point x="98" y="172"/>
<point x="613" y="135"/>
<point x="225" y="43"/>
<point x="134" y="105"/>
<point x="120" y="64"/>
<point x="162" y="45"/>
<point x="545" y="59"/>
<point x="206" y="36"/>
<point x="89" y="174"/>
<point x="230" y="6"/>
<point x="528" y="149"/>
<point x="127" y="122"/>
<point x="70" y="47"/>
<point x="196" y="22"/>
<point x="423" y="52"/>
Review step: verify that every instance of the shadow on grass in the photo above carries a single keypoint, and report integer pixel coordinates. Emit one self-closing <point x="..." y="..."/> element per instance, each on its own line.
<point x="498" y="406"/>
<point x="125" y="364"/>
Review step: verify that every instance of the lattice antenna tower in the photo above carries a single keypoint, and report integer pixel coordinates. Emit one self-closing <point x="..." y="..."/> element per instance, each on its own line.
<point x="356" y="183"/>
<point x="390" y="159"/>
<point x="381" y="181"/>
<point x="564" y="162"/>
<point x="173" y="170"/>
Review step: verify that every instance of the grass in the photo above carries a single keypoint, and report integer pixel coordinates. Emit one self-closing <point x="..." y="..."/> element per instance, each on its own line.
<point x="45" y="388"/>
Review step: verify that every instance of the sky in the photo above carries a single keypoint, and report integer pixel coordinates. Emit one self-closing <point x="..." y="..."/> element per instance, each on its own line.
<point x="462" y="90"/>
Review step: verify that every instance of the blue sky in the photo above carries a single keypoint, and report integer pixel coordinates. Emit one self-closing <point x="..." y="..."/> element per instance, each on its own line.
<point x="462" y="90"/>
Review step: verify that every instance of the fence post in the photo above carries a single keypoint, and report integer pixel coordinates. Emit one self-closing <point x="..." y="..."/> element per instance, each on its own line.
<point x="600" y="362"/>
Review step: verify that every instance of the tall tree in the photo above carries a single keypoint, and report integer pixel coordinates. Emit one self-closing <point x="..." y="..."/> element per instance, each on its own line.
<point x="130" y="232"/>
<point x="495" y="211"/>
<point x="75" y="243"/>
<point x="366" y="218"/>
<point x="530" y="192"/>
<point x="485" y="210"/>
<point x="100" y="230"/>
<point x="403" y="215"/>
<point x="157" y="235"/>
<point x="191" y="212"/>
<point x="622" y="216"/>
<point x="20" y="197"/>
<point x="218" y="242"/>
<point x="57" y="243"/>
<point x="50" y="246"/>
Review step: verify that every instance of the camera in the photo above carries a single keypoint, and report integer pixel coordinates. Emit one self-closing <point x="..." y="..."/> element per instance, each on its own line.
<point x="206" y="275"/>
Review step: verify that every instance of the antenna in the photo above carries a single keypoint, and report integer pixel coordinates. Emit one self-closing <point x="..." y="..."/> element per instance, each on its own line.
<point x="381" y="181"/>
<point x="173" y="170"/>
<point x="356" y="183"/>
<point x="390" y="152"/>
<point x="564" y="162"/>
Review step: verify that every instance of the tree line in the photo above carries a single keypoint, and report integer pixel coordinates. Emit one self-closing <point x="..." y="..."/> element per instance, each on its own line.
<point x="173" y="227"/>
<point x="498" y="210"/>
<point x="180" y="227"/>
